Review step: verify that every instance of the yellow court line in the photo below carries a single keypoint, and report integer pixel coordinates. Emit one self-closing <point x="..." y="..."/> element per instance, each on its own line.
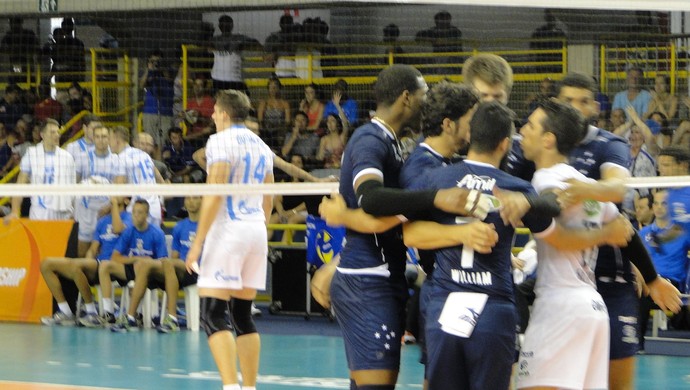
<point x="15" y="385"/>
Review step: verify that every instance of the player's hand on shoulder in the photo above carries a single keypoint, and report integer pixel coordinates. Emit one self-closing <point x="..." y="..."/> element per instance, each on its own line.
<point x="576" y="193"/>
<point x="514" y="206"/>
<point x="618" y="232"/>
<point x="332" y="209"/>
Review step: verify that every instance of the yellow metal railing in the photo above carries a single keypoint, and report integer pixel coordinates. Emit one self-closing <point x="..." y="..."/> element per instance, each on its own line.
<point x="653" y="59"/>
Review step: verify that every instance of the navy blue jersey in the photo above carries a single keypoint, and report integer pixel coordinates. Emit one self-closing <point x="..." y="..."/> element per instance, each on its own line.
<point x="423" y="157"/>
<point x="599" y="148"/>
<point x="372" y="150"/>
<point x="458" y="270"/>
<point x="413" y="177"/>
<point x="515" y="162"/>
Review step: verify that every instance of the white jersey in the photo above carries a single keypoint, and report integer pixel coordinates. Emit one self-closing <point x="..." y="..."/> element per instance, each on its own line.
<point x="107" y="166"/>
<point x="557" y="269"/>
<point x="140" y="170"/>
<point x="80" y="149"/>
<point x="250" y="161"/>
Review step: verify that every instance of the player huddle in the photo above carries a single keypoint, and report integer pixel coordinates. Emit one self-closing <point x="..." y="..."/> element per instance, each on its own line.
<point x="448" y="208"/>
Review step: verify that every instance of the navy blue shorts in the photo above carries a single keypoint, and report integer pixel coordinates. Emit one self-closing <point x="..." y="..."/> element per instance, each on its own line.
<point x="623" y="306"/>
<point x="482" y="361"/>
<point x="371" y="313"/>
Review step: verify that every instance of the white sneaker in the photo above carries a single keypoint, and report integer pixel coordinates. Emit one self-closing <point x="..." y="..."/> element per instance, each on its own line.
<point x="255" y="310"/>
<point x="59" y="318"/>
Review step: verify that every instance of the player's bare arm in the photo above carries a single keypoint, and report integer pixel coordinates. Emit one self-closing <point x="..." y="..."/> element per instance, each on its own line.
<point x="480" y="236"/>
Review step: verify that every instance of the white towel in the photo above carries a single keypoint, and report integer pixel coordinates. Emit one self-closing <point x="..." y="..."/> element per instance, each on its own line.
<point x="65" y="173"/>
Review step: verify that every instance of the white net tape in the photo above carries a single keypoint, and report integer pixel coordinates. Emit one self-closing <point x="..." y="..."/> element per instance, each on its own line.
<point x="168" y="189"/>
<point x="230" y="189"/>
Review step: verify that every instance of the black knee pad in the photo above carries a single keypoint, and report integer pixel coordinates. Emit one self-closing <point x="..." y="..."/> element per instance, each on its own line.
<point x="376" y="387"/>
<point x="242" y="317"/>
<point x="214" y="315"/>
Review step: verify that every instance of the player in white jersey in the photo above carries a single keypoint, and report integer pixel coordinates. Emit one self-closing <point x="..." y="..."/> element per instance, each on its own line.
<point x="567" y="340"/>
<point x="99" y="167"/>
<point x="46" y="163"/>
<point x="233" y="230"/>
<point x="80" y="148"/>
<point x="140" y="170"/>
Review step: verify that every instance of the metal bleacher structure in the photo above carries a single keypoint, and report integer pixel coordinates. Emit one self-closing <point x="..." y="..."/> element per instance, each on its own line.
<point x="112" y="74"/>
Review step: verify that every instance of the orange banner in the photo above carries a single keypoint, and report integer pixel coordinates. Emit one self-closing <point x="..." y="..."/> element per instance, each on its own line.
<point x="24" y="296"/>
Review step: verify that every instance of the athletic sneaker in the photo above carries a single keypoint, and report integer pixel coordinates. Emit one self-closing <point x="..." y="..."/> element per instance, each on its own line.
<point x="256" y="311"/>
<point x="125" y="325"/>
<point x="169" y="325"/>
<point x="109" y="319"/>
<point x="59" y="318"/>
<point x="92" y="320"/>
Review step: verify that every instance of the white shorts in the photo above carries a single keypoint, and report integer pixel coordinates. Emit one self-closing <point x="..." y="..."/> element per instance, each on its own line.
<point x="39" y="213"/>
<point x="567" y="341"/>
<point x="86" y="214"/>
<point x="234" y="256"/>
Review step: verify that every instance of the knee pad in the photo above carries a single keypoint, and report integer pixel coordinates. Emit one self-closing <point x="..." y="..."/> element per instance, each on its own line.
<point x="242" y="317"/>
<point x="214" y="315"/>
<point x="376" y="387"/>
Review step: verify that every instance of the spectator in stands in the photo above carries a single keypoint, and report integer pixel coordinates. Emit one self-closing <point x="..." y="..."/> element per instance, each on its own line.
<point x="635" y="96"/>
<point x="48" y="51"/>
<point x="547" y="89"/>
<point x="617" y="118"/>
<point x="47" y="107"/>
<point x="311" y="43"/>
<point x="668" y="245"/>
<point x="136" y="256"/>
<point x="333" y="143"/>
<point x="81" y="148"/>
<point x="340" y="101"/>
<point x="12" y="108"/>
<point x="662" y="101"/>
<point x="177" y="154"/>
<point x="69" y="64"/>
<point x="658" y="122"/>
<point x="37" y="167"/>
<point x="84" y="271"/>
<point x="227" y="60"/>
<point x="8" y="157"/>
<point x="157" y="83"/>
<point x="27" y="137"/>
<point x="312" y="106"/>
<point x="274" y="114"/>
<point x="650" y="134"/>
<point x="642" y="164"/>
<point x="175" y="274"/>
<point x="300" y="141"/>
<point x="199" y="111"/>
<point x="18" y="50"/>
<point x="548" y="37"/>
<point x="391" y="33"/>
<point x="444" y="38"/>
<point x="281" y="47"/>
<point x="644" y="212"/>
